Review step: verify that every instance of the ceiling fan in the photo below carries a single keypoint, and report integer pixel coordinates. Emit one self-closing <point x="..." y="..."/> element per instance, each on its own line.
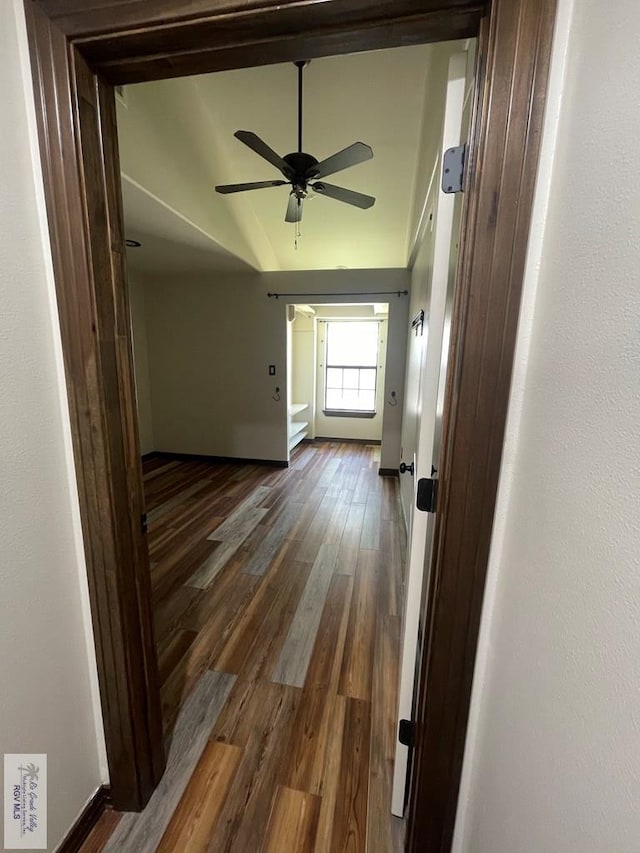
<point x="302" y="171"/>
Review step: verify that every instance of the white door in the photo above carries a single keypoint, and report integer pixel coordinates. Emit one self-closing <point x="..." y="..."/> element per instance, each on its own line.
<point x="431" y="358"/>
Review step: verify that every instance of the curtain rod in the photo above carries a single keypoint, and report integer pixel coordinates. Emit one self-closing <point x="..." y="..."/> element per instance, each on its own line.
<point x="340" y="295"/>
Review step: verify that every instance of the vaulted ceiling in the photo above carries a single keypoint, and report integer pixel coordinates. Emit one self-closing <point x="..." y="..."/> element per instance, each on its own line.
<point x="177" y="143"/>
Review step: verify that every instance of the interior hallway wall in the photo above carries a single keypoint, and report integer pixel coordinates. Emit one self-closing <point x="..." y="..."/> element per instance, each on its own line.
<point x="49" y="699"/>
<point x="211" y="342"/>
<point x="553" y="747"/>
<point x="141" y="361"/>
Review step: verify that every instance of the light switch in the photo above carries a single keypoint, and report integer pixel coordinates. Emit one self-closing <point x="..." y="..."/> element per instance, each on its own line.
<point x="272" y="370"/>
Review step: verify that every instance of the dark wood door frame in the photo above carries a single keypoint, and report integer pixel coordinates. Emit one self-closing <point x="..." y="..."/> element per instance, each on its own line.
<point x="78" y="52"/>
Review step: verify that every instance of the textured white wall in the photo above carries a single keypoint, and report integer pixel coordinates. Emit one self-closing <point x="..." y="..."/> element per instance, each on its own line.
<point x="48" y="695"/>
<point x="141" y="362"/>
<point x="210" y="344"/>
<point x="553" y="749"/>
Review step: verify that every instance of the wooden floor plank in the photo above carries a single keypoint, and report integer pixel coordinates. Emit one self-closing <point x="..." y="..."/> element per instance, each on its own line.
<point x="261" y="630"/>
<point x="370" y="538"/>
<point x="172" y="652"/>
<point x="234" y="536"/>
<point x="350" y="816"/>
<point x="384" y="835"/>
<point x="331" y="776"/>
<point x="195" y="817"/>
<point x="296" y="653"/>
<point x="293" y="822"/>
<point x="266" y="552"/>
<point x="97" y="839"/>
<point x="141" y="833"/>
<point x="305" y="765"/>
<point x="265" y="730"/>
<point x="357" y="664"/>
<point x="350" y="540"/>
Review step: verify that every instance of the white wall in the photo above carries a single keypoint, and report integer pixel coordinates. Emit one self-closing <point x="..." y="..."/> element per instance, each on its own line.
<point x="48" y="694"/>
<point x="210" y="344"/>
<point x="141" y="362"/>
<point x="553" y="751"/>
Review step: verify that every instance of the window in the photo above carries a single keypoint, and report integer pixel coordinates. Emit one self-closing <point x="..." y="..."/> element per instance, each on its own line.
<point x="351" y="366"/>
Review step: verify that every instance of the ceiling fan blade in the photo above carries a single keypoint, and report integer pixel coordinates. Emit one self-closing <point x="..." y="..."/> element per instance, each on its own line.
<point x="294" y="209"/>
<point x="341" y="194"/>
<point x="260" y="147"/>
<point x="257" y="185"/>
<point x="351" y="156"/>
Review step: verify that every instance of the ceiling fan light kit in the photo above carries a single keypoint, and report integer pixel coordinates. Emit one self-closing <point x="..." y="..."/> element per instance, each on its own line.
<point x="302" y="171"/>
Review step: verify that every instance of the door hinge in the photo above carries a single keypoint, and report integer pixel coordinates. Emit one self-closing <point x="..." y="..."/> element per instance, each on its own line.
<point x="407" y="733"/>
<point x="143" y="522"/>
<point x="453" y="164"/>
<point x="427" y="494"/>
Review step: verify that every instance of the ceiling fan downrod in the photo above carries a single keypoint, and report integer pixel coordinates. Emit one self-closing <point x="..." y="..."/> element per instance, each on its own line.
<point x="300" y="64"/>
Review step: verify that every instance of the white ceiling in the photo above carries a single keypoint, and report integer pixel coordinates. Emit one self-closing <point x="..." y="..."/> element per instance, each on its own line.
<point x="170" y="243"/>
<point x="376" y="97"/>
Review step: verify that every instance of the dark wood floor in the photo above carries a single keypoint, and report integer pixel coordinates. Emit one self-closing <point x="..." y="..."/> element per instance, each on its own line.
<point x="277" y="596"/>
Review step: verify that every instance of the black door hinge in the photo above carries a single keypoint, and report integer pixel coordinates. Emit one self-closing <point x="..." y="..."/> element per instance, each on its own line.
<point x="143" y="522"/>
<point x="407" y="733"/>
<point x="427" y="494"/>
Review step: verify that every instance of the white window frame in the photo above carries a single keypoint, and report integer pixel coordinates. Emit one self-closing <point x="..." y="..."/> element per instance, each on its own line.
<point x="324" y="367"/>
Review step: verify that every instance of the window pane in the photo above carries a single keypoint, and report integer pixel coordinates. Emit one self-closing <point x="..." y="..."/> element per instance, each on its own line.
<point x="348" y="400"/>
<point x="334" y="377"/>
<point x="367" y="401"/>
<point x="350" y="379"/>
<point x="334" y="399"/>
<point x="352" y="343"/>
<point x="368" y="379"/>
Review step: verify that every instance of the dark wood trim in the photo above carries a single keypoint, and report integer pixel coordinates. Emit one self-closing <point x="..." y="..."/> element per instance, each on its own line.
<point x="136" y="41"/>
<point x="89" y="817"/>
<point x="233" y="460"/>
<point x="388" y="472"/>
<point x="77" y="46"/>
<point x="514" y="55"/>
<point x="76" y="113"/>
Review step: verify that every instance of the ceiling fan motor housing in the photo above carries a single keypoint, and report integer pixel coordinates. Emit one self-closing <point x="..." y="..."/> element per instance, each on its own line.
<point x="302" y="168"/>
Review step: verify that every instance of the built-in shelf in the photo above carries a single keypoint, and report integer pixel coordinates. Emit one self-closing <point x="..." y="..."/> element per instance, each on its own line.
<point x="296" y="408"/>
<point x="297" y="426"/>
<point x="297" y="429"/>
<point x="297" y="438"/>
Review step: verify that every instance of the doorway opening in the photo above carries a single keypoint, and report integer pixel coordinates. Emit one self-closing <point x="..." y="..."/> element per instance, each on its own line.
<point x="336" y="372"/>
<point x="69" y="49"/>
<point x="265" y="425"/>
